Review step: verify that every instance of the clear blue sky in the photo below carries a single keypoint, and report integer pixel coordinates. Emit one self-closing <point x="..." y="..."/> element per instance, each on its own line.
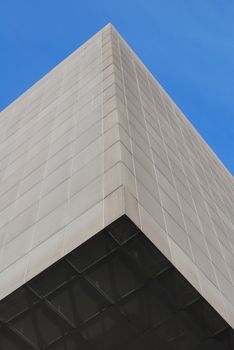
<point x="188" y="45"/>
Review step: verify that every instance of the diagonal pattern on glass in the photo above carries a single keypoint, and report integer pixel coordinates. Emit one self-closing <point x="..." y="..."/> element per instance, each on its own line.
<point x="115" y="291"/>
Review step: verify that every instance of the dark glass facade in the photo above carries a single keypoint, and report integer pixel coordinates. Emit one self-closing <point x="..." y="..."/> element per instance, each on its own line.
<point x="115" y="291"/>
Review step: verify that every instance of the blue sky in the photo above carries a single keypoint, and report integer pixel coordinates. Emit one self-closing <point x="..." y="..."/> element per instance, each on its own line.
<point x="188" y="45"/>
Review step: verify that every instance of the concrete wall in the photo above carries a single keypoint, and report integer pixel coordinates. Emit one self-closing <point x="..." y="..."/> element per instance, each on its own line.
<point x="55" y="151"/>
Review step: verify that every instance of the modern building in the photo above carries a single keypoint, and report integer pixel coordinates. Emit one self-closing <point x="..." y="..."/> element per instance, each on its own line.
<point x="116" y="218"/>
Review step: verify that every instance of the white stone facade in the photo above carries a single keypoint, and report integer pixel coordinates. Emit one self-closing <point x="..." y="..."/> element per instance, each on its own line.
<point x="98" y="137"/>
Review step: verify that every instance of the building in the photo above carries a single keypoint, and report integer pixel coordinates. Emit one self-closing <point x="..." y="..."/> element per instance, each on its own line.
<point x="116" y="218"/>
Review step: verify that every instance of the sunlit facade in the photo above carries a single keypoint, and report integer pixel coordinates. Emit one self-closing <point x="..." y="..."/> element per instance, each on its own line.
<point x="116" y="218"/>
